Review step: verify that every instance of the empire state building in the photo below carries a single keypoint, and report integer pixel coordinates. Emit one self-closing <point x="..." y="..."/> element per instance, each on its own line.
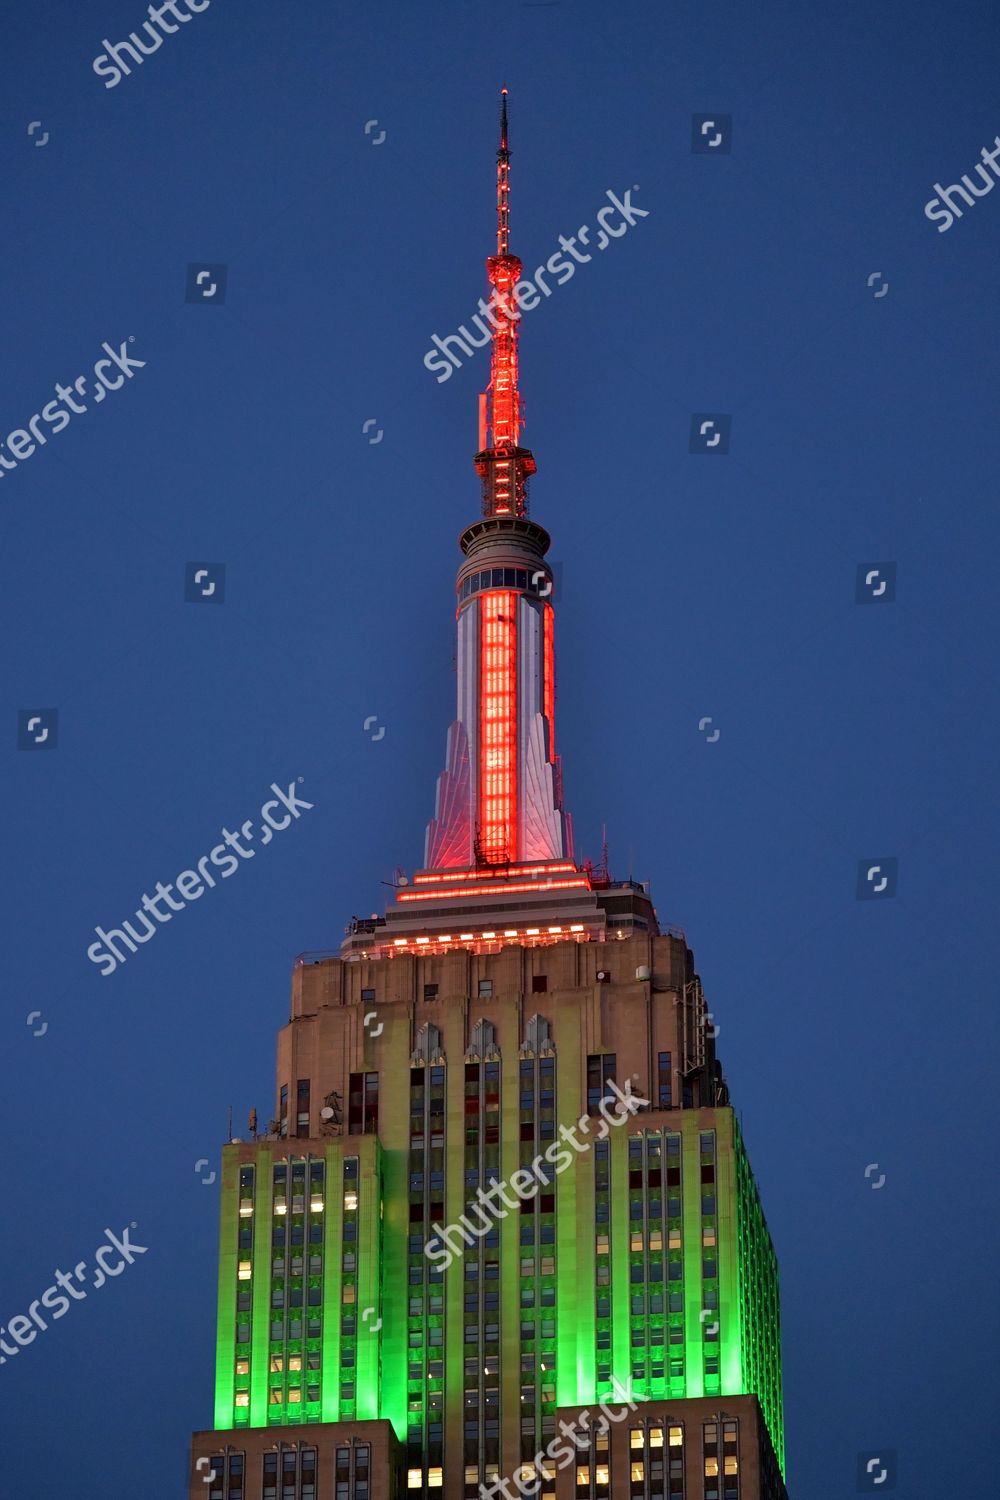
<point x="501" y="1236"/>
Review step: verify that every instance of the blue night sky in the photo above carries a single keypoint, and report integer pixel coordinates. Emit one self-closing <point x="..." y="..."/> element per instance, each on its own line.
<point x="716" y="585"/>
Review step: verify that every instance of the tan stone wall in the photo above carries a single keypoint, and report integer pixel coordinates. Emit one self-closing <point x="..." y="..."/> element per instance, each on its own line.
<point x="254" y="1442"/>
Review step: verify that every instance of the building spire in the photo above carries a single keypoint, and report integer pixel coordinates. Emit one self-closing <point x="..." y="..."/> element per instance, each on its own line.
<point x="502" y="464"/>
<point x="503" y="182"/>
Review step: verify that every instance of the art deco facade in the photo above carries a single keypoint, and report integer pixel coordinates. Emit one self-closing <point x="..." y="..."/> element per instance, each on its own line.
<point x="367" y="1347"/>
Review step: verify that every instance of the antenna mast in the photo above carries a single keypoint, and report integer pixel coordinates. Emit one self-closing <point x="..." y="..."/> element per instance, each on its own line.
<point x="502" y="464"/>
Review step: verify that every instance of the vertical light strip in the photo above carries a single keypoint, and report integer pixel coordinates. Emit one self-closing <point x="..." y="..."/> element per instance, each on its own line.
<point x="260" y="1321"/>
<point x="549" y="698"/>
<point x="498" y="725"/>
<point x="728" y="1251"/>
<point x="576" y="1365"/>
<point x="369" y="1280"/>
<point x="694" y="1325"/>
<point x="225" y="1350"/>
<point x="621" y="1362"/>
<point x="394" y="1116"/>
<point x="333" y="1249"/>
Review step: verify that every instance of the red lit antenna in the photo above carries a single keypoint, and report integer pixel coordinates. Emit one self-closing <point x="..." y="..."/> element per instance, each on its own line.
<point x="502" y="464"/>
<point x="503" y="182"/>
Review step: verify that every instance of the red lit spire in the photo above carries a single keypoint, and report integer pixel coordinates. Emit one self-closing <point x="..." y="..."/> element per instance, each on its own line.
<point x="501" y="462"/>
<point x="503" y="182"/>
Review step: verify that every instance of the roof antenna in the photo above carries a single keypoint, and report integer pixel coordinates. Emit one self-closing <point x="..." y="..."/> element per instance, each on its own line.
<point x="501" y="463"/>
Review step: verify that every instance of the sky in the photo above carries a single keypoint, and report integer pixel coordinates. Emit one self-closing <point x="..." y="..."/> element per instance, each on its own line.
<point x="776" y="655"/>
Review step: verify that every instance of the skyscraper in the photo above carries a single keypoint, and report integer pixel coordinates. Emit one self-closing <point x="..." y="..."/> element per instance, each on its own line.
<point x="501" y="1235"/>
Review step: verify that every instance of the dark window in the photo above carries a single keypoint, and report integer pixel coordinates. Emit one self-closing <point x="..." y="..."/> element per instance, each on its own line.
<point x="539" y="984"/>
<point x="302" y="1107"/>
<point x="430" y="991"/>
<point x="362" y="1104"/>
<point x="664" y="1079"/>
<point x="601" y="1069"/>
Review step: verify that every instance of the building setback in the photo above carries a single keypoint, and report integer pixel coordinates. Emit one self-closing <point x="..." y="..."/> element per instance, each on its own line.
<point x="502" y="1235"/>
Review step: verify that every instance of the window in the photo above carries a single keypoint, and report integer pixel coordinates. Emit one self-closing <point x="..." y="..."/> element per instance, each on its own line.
<point x="664" y="1098"/>
<point x="539" y="984"/>
<point x="302" y="1107"/>
<point x="601" y="1068"/>
<point x="368" y="994"/>
<point x="430" y="991"/>
<point x="362" y="1106"/>
<point x="486" y="989"/>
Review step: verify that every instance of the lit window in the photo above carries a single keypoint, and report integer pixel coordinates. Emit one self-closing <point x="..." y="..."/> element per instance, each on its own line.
<point x="243" y="1367"/>
<point x="673" y="1239"/>
<point x="277" y="1364"/>
<point x="280" y="1206"/>
<point x="655" y="1240"/>
<point x="711" y="1467"/>
<point x="246" y="1207"/>
<point x="638" y="1471"/>
<point x="294" y="1393"/>
<point x="350" y="1200"/>
<point x="656" y="1436"/>
<point x="414" y="1479"/>
<point x="316" y="1203"/>
<point x="244" y="1270"/>
<point x="295" y="1361"/>
<point x="636" y="1241"/>
<point x="708" y="1236"/>
<point x="349" y="1293"/>
<point x="635" y="1437"/>
<point x="731" y="1465"/>
<point x="583" y="1474"/>
<point x="602" y="1474"/>
<point x="676" y="1437"/>
<point x="242" y="1398"/>
<point x="602" y="1244"/>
